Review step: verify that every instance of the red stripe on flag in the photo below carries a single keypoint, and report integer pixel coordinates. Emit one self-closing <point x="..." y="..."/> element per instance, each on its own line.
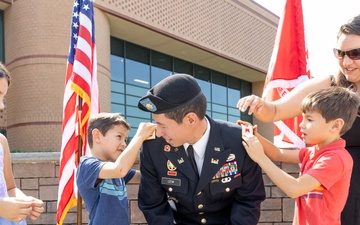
<point x="80" y="87"/>
<point x="288" y="68"/>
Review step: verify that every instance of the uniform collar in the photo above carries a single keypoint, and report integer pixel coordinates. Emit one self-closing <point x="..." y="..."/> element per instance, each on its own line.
<point x="200" y="145"/>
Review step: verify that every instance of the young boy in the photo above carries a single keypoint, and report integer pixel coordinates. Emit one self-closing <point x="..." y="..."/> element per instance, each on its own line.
<point x="98" y="176"/>
<point x="322" y="188"/>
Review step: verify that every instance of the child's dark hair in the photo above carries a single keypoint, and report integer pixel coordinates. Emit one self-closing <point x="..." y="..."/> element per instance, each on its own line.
<point x="333" y="103"/>
<point x="104" y="122"/>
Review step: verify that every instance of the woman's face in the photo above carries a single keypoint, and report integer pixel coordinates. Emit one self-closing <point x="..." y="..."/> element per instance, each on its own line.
<point x="3" y="90"/>
<point x="350" y="68"/>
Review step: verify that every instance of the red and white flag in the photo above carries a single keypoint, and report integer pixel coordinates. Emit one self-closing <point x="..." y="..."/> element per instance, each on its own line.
<point x="80" y="88"/>
<point x="289" y="66"/>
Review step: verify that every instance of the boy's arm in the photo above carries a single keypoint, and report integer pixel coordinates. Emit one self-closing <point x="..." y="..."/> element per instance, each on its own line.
<point x="276" y="154"/>
<point x="125" y="161"/>
<point x="293" y="187"/>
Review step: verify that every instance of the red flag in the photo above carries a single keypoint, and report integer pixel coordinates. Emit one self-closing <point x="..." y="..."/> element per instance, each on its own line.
<point x="289" y="66"/>
<point x="80" y="88"/>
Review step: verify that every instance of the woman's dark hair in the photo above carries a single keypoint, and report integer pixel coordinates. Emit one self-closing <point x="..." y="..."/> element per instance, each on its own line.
<point x="351" y="27"/>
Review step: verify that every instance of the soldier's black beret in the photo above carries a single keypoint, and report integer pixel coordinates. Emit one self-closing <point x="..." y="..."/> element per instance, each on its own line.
<point x="171" y="93"/>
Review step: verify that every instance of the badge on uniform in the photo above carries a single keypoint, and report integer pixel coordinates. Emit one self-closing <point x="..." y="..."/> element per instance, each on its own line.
<point x="167" y="148"/>
<point x="170" y="181"/>
<point x="152" y="136"/>
<point x="228" y="169"/>
<point x="171" y="169"/>
<point x="231" y="157"/>
<point x="246" y="130"/>
<point x="148" y="104"/>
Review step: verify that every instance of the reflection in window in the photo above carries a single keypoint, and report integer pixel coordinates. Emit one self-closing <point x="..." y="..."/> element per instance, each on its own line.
<point x="117" y="68"/>
<point x="137" y="73"/>
<point x="205" y="87"/>
<point x="158" y="74"/>
<point x="219" y="116"/>
<point x="233" y="111"/>
<point x="218" y="94"/>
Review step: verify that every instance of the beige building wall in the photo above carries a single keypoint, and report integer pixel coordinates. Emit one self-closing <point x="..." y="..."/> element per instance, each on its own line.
<point x="36" y="52"/>
<point x="226" y="36"/>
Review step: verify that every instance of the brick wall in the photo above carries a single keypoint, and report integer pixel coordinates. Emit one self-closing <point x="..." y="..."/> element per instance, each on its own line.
<point x="37" y="175"/>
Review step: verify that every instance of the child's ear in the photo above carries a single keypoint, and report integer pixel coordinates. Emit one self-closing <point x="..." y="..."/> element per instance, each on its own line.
<point x="96" y="135"/>
<point x="337" y="125"/>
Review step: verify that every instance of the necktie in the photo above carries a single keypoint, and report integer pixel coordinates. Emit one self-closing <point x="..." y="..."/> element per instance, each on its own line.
<point x="190" y="151"/>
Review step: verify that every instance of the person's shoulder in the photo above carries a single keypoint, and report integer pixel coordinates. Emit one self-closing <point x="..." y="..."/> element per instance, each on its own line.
<point x="3" y="141"/>
<point x="156" y="141"/>
<point x="338" y="153"/>
<point x="225" y="126"/>
<point x="223" y="123"/>
<point x="88" y="159"/>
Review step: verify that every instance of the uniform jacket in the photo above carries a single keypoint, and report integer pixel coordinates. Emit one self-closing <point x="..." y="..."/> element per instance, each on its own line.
<point x="228" y="192"/>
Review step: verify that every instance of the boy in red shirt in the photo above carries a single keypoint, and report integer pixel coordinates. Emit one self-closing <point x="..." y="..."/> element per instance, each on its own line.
<point x="322" y="188"/>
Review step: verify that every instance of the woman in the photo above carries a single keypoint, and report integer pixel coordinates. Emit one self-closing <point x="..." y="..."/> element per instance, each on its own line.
<point x="347" y="52"/>
<point x="15" y="206"/>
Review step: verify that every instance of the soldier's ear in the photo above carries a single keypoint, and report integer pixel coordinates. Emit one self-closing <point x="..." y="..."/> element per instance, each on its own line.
<point x="191" y="118"/>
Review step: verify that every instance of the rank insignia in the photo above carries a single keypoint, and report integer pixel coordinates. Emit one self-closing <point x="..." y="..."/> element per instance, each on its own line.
<point x="180" y="161"/>
<point x="148" y="104"/>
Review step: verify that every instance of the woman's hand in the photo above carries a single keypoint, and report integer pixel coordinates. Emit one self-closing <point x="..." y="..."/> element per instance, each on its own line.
<point x="37" y="208"/>
<point x="253" y="102"/>
<point x="14" y="209"/>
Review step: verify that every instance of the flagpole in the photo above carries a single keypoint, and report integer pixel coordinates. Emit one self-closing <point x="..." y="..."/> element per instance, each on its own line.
<point x="80" y="147"/>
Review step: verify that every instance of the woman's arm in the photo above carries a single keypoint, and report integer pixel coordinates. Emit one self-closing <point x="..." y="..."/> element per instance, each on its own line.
<point x="285" y="107"/>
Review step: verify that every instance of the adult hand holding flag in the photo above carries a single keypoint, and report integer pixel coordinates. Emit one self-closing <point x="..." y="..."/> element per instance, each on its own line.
<point x="81" y="92"/>
<point x="289" y="66"/>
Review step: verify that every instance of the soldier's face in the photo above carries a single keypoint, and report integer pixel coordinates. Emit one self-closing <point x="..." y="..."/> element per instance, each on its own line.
<point x="175" y="134"/>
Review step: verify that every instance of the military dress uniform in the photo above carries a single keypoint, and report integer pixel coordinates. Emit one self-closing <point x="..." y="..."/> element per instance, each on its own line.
<point x="229" y="189"/>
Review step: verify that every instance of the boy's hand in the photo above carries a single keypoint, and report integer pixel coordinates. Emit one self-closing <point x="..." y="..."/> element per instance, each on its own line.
<point x="253" y="147"/>
<point x="146" y="131"/>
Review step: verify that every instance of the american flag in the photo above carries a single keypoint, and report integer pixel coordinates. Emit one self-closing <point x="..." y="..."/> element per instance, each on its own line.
<point x="80" y="88"/>
<point x="289" y="66"/>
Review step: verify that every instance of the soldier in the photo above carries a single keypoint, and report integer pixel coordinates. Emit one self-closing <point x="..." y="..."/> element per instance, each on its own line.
<point x="185" y="175"/>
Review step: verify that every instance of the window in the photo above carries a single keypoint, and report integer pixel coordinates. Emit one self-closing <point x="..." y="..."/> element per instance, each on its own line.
<point x="135" y="69"/>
